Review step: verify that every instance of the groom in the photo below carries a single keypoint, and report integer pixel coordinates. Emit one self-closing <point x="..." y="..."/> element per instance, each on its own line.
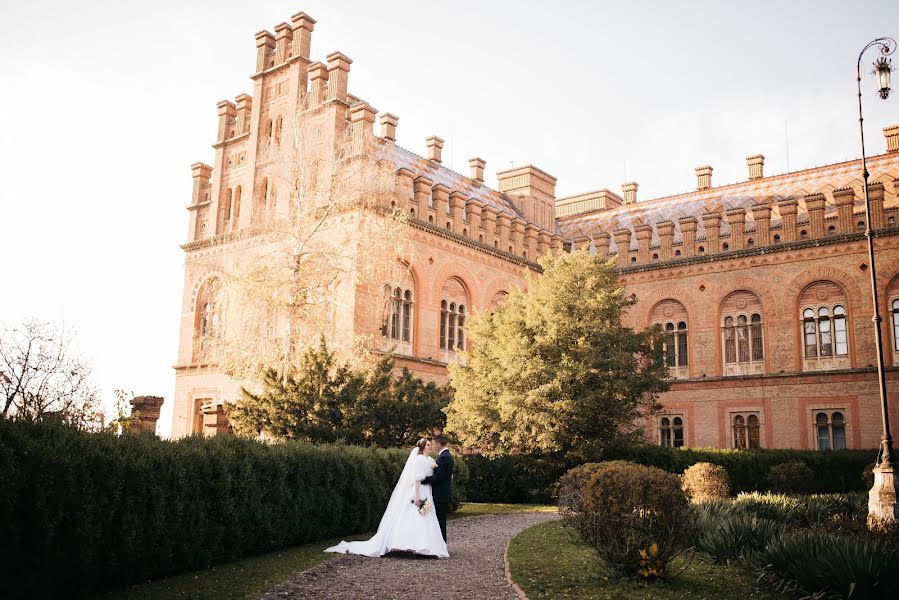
<point x="440" y="481"/>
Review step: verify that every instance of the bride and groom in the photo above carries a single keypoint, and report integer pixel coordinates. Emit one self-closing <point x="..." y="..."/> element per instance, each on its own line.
<point x="415" y="518"/>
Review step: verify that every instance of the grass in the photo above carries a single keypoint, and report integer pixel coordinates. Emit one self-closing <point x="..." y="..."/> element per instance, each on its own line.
<point x="250" y="577"/>
<point x="549" y="561"/>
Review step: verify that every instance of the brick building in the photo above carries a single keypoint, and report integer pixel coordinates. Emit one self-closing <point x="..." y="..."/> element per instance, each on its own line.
<point x="762" y="285"/>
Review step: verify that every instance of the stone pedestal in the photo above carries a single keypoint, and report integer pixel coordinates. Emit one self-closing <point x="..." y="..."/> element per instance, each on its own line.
<point x="882" y="510"/>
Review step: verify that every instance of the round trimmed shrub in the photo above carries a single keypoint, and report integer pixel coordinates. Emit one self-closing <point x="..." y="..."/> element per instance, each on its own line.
<point x="706" y="481"/>
<point x="569" y="491"/>
<point x="792" y="477"/>
<point x="636" y="518"/>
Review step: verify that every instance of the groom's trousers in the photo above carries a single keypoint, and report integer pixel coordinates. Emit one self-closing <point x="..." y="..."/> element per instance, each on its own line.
<point x="441" y="508"/>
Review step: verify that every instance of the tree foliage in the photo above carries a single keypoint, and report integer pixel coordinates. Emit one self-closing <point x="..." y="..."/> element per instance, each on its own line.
<point x="553" y="369"/>
<point x="42" y="378"/>
<point x="325" y="401"/>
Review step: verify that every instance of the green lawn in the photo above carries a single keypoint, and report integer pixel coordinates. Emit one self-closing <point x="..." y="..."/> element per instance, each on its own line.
<point x="549" y="561"/>
<point x="249" y="577"/>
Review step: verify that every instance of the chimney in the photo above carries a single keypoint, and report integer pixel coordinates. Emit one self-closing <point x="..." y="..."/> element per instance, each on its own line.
<point x="756" y="164"/>
<point x="892" y="135"/>
<point x="264" y="42"/>
<point x="630" y="192"/>
<point x="703" y="178"/>
<point x="362" y="116"/>
<point x="227" y="111"/>
<point x="303" y="25"/>
<point x="244" y="112"/>
<point x="388" y="126"/>
<point x="283" y="36"/>
<point x="477" y="168"/>
<point x="435" y="146"/>
<point x="338" y="75"/>
<point x="318" y="82"/>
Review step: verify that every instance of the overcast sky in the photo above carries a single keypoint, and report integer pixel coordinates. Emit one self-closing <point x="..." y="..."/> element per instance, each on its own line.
<point x="106" y="104"/>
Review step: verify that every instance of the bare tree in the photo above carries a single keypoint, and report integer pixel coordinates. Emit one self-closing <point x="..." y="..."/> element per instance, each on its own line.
<point x="40" y="377"/>
<point x="323" y="238"/>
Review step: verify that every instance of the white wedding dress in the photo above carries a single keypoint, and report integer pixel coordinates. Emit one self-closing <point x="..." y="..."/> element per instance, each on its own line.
<point x="402" y="527"/>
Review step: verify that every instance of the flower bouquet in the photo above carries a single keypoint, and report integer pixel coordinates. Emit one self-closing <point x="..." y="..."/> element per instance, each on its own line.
<point x="424" y="507"/>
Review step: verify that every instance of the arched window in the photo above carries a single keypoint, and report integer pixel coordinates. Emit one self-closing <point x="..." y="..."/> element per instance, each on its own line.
<point x="677" y="252"/>
<point x="831" y="230"/>
<point x="742" y="334"/>
<point x="860" y="226"/>
<point x="671" y="432"/>
<point x="236" y="209"/>
<point x="824" y="327"/>
<point x="830" y="428"/>
<point x="776" y="238"/>
<point x="224" y="220"/>
<point x="207" y="318"/>
<point x="453" y="312"/>
<point x="746" y="431"/>
<point x="672" y="316"/>
<point x="279" y="124"/>
<point x="702" y="249"/>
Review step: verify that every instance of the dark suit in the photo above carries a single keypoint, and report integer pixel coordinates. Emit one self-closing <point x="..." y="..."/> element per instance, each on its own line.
<point x="440" y="487"/>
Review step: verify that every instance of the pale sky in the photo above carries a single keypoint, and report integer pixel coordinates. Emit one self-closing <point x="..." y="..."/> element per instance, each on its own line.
<point x="106" y="104"/>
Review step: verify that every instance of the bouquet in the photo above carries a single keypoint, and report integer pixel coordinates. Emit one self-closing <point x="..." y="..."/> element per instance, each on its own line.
<point x="424" y="507"/>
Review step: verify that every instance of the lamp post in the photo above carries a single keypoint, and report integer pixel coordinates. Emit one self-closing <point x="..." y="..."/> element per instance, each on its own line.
<point x="882" y="508"/>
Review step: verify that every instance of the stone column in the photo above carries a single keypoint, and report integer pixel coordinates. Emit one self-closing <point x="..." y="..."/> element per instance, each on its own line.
<point x="474" y="219"/>
<point x="148" y="407"/>
<point x="283" y="38"/>
<point x="736" y="218"/>
<point x="504" y="226"/>
<point x="666" y="237"/>
<point x="845" y="201"/>
<point x="623" y="245"/>
<point x="644" y="238"/>
<point x="762" y="215"/>
<point x="303" y="25"/>
<point x="244" y="112"/>
<point x="601" y="242"/>
<point x="814" y="204"/>
<point x="362" y="117"/>
<point x="338" y="76"/>
<point x="712" y="223"/>
<point x="226" y="111"/>
<point x="457" y="211"/>
<point x="688" y="234"/>
<point x="530" y="241"/>
<point x="422" y="196"/>
<point x="518" y="236"/>
<point x="788" y="219"/>
<point x="264" y="43"/>
<point x="405" y="190"/>
<point x="488" y="220"/>
<point x="440" y="194"/>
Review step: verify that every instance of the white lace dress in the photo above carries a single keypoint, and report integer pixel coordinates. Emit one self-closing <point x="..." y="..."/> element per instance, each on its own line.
<point x="402" y="527"/>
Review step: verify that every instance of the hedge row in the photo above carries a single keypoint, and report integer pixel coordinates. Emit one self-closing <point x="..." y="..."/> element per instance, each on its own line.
<point x="523" y="479"/>
<point x="82" y="511"/>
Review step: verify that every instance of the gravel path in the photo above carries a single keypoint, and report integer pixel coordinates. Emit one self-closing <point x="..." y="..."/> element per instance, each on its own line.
<point x="474" y="570"/>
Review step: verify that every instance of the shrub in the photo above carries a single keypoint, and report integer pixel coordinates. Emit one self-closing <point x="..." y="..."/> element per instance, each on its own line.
<point x="833" y="510"/>
<point x="570" y="494"/>
<point x="529" y="478"/>
<point x="826" y="565"/>
<point x="82" y="511"/>
<point x="733" y="535"/>
<point x="793" y="477"/>
<point x="705" y="481"/>
<point x="637" y="518"/>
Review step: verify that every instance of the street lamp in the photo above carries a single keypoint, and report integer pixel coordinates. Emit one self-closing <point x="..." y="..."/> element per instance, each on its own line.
<point x="882" y="507"/>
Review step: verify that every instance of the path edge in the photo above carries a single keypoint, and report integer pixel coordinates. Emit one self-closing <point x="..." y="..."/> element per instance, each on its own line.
<point x="515" y="587"/>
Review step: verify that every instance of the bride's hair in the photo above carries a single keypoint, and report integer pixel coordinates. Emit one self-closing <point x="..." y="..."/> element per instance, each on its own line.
<point x="422" y="443"/>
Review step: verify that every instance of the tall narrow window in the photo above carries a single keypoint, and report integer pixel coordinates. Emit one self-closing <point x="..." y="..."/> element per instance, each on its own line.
<point x="665" y="432"/>
<point x="896" y="324"/>
<point x="810" y="330"/>
<point x="399" y="323"/>
<point x="753" y="431"/>
<point x="746" y="431"/>
<point x="756" y="337"/>
<point x="670" y="347"/>
<point x="742" y="339"/>
<point x="825" y="335"/>
<point x="451" y="326"/>
<point x="443" y="318"/>
<point x="407" y="316"/>
<point x="739" y="432"/>
<point x="841" y="342"/>
<point x="682" y="344"/>
<point x="838" y="427"/>
<point x="730" y="343"/>
<point x="278" y="126"/>
<point x="678" y="430"/>
<point x="823" y="429"/>
<point x="236" y="209"/>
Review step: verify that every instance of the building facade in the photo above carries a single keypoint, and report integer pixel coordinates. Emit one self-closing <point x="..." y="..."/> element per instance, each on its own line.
<point x="761" y="286"/>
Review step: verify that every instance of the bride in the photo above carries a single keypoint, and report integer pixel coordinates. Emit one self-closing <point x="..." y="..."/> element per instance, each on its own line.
<point x="403" y="526"/>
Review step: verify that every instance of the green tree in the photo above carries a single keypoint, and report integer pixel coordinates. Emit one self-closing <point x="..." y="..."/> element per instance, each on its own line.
<point x="323" y="401"/>
<point x="554" y="370"/>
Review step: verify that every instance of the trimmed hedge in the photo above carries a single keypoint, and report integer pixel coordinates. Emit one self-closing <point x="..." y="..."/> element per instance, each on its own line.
<point x="81" y="511"/>
<point x="525" y="479"/>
